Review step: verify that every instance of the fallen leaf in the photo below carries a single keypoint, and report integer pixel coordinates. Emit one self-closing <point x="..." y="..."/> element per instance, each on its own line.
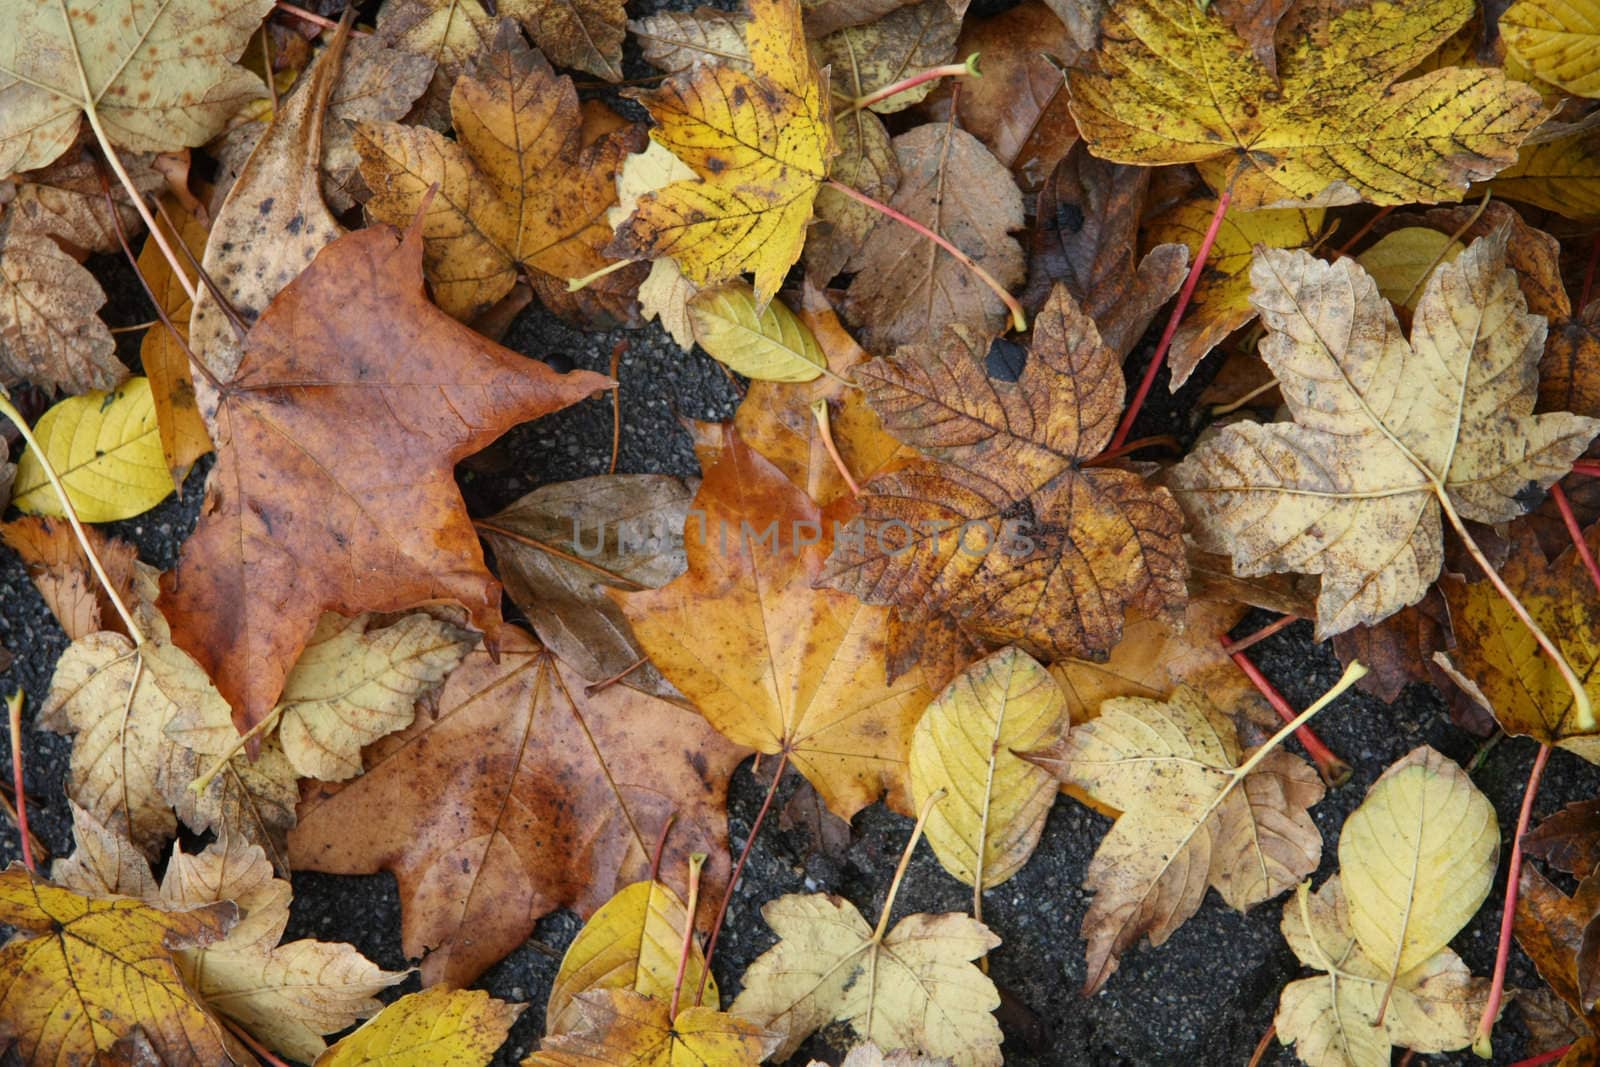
<point x="559" y="546"/>
<point x="1172" y="82"/>
<point x="966" y="744"/>
<point x="1333" y="1019"/>
<point x="179" y="424"/>
<point x="50" y="328"/>
<point x="665" y="293"/>
<point x="912" y="988"/>
<point x="766" y="343"/>
<point x="1221" y="300"/>
<point x="103" y="863"/>
<point x="261" y="568"/>
<point x="1401" y="261"/>
<point x="56" y="564"/>
<point x="633" y="942"/>
<point x="675" y="41"/>
<point x="1569" y="840"/>
<point x="440" y="1027"/>
<point x="170" y="85"/>
<point x="520" y="191"/>
<point x="67" y="200"/>
<point x="760" y="144"/>
<point x="105" y="448"/>
<point x="1256" y="23"/>
<point x="906" y="288"/>
<point x="772" y="662"/>
<point x="1561" y="937"/>
<point x="1086" y="238"/>
<point x="870" y="1055"/>
<point x="1387" y="435"/>
<point x="1089" y="542"/>
<point x="622" y="1026"/>
<point x="1562" y="176"/>
<point x="1400" y="649"/>
<point x="1559" y="42"/>
<point x="84" y="971"/>
<point x="520" y="794"/>
<point x="1189" y="819"/>
<point x="875" y="55"/>
<point x="585" y="34"/>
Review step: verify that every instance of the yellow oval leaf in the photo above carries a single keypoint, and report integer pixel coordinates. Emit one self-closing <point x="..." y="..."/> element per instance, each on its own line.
<point x="1401" y="262"/>
<point x="771" y="345"/>
<point x="966" y="743"/>
<point x="106" y="448"/>
<point x="632" y="942"/>
<point x="1558" y="40"/>
<point x="439" y="1027"/>
<point x="1417" y="858"/>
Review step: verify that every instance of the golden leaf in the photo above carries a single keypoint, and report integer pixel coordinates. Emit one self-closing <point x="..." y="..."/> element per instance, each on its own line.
<point x="439" y="1027"/>
<point x="623" y="1027"/>
<point x="768" y="344"/>
<point x="1558" y="40"/>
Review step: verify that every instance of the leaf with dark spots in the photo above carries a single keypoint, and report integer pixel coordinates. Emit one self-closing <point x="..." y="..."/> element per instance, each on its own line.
<point x="523" y="793"/>
<point x="1569" y="840"/>
<point x="264" y="562"/>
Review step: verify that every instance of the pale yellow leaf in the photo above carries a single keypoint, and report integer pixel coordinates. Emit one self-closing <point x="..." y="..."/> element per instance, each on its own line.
<point x="1558" y="40"/>
<point x="770" y="344"/>
<point x="1400" y="262"/>
<point x="107" y="451"/>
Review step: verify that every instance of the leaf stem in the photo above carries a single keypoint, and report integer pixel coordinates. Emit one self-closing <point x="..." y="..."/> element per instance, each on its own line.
<point x="697" y="860"/>
<point x="1366" y="228"/>
<point x="14" y="717"/>
<point x="1111" y="454"/>
<point x="1334" y="771"/>
<point x="1277" y="626"/>
<point x="1491" y="1007"/>
<point x="616" y="404"/>
<point x="1543" y="1058"/>
<point x="255" y="1046"/>
<point x="733" y="879"/>
<point x="1580" y="696"/>
<point x="1019" y="318"/>
<point x="966" y="68"/>
<point x="905" y="861"/>
<point x="1352" y="674"/>
<point x="1262" y="1046"/>
<point x="200" y="784"/>
<point x="1234" y="405"/>
<point x="1589" y="467"/>
<point x="819" y="411"/>
<point x="575" y="284"/>
<point x="1184" y="296"/>
<point x="313" y="18"/>
<point x="661" y="846"/>
<point x="1575" y="532"/>
<point x="10" y="412"/>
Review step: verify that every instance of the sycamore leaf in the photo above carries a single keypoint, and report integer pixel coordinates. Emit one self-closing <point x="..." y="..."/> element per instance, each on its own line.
<point x="84" y="971"/>
<point x="829" y="16"/>
<point x="1417" y="858"/>
<point x="287" y="995"/>
<point x="1559" y="932"/>
<point x="771" y="661"/>
<point x="1189" y="819"/>
<point x="767" y="344"/>
<point x="439" y="1027"/>
<point x="66" y="200"/>
<point x="966" y="744"/>
<point x="1502" y="666"/>
<point x="521" y="189"/>
<point x="910" y="989"/>
<point x="633" y="942"/>
<point x="1172" y="82"/>
<point x="1561" y="176"/>
<point x="50" y="328"/>
<point x="1005" y="530"/>
<point x="1388" y="435"/>
<point x="585" y="34"/>
<point x="295" y="497"/>
<point x="1558" y="41"/>
<point x="106" y="449"/>
<point x="906" y="288"/>
<point x="760" y="143"/>
<point x="1332" y="1019"/>
<point x="665" y="293"/>
<point x="1221" y="300"/>
<point x="875" y="55"/>
<point x="1401" y="648"/>
<point x="103" y="863"/>
<point x="674" y="41"/>
<point x="183" y="433"/>
<point x="557" y="548"/>
<point x="623" y="1027"/>
<point x="56" y="564"/>
<point x="159" y="75"/>
<point x="521" y="794"/>
<point x="1400" y="262"/>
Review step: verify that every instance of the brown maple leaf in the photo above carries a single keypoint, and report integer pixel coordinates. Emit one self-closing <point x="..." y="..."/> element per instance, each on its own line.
<point x="333" y="490"/>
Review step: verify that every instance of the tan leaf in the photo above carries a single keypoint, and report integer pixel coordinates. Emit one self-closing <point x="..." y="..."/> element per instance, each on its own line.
<point x="50" y="329"/>
<point x="59" y="570"/>
<point x="623" y="1027"/>
<point x="104" y="863"/>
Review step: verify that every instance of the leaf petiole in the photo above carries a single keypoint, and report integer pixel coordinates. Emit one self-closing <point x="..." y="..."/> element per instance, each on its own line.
<point x="14" y="718"/>
<point x="697" y="860"/>
<point x="966" y="68"/>
<point x="905" y="861"/>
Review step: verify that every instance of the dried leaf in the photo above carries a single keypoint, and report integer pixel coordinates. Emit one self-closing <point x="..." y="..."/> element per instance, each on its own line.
<point x="1353" y="489"/>
<point x="105" y="448"/>
<point x="866" y="162"/>
<point x="104" y="863"/>
<point x="1189" y="819"/>
<point x="1400" y="649"/>
<point x="912" y="989"/>
<point x="880" y="53"/>
<point x="1559" y="933"/>
<point x="61" y="573"/>
<point x="520" y="795"/>
<point x="1569" y="840"/>
<point x="1562" y="176"/>
<point x="1172" y="82"/>
<point x="67" y="200"/>
<point x="50" y="328"/>
<point x="674" y="41"/>
<point x="768" y="344"/>
<point x="1401" y="261"/>
<point x="665" y="293"/>
<point x="1559" y="42"/>
<point x="440" y="1027"/>
<point x="1064" y="549"/>
<point x="623" y="1027"/>
<point x="182" y="430"/>
<point x="586" y="34"/>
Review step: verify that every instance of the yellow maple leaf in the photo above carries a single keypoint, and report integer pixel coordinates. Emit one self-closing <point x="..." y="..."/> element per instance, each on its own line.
<point x="1558" y="40"/>
<point x="760" y="143"/>
<point x="624" y="1027"/>
<point x="1172" y="82"/>
<point x="440" y="1027"/>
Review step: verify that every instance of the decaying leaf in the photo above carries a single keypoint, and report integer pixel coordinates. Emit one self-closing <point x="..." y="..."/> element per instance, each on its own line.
<point x="1558" y="40"/>
<point x="1189" y="819"/>
<point x="1561" y="176"/>
<point x="621" y="1026"/>
<point x="57" y="566"/>
<point x="67" y="200"/>
<point x="866" y="163"/>
<point x="665" y="293"/>
<point x="1569" y="840"/>
<point x="674" y="41"/>
<point x="1560" y="934"/>
<point x="760" y="145"/>
<point x="559" y="547"/>
<point x="520" y="794"/>
<point x="870" y="1055"/>
<point x="521" y="189"/>
<point x="103" y="863"/>
<point x="586" y="34"/>
<point x="1400" y="649"/>
<point x="906" y="288"/>
<point x="1388" y="435"/>
<point x="179" y="424"/>
<point x="443" y="1027"/>
<point x="875" y="55"/>
<point x="771" y="661"/>
<point x="50" y="328"/>
<point x="966" y="744"/>
<point x="1005" y="529"/>
<point x="170" y="84"/>
<point x="1172" y="82"/>
<point x="633" y="942"/>
<point x="294" y="497"/>
<point x="1401" y="261"/>
<point x="105" y="448"/>
<point x="84" y="971"/>
<point x="909" y="988"/>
